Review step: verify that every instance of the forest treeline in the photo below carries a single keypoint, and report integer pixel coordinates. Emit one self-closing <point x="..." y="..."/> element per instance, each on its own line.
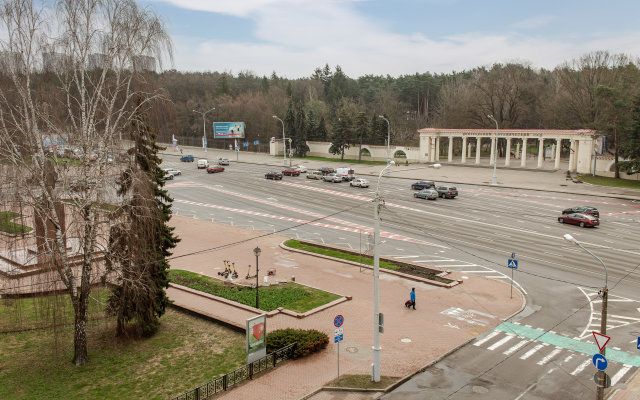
<point x="595" y="91"/>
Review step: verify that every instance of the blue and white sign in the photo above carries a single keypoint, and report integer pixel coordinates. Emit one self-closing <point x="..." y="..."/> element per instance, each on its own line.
<point x="226" y="130"/>
<point x="638" y="345"/>
<point x="256" y="142"/>
<point x="600" y="362"/>
<point x="245" y="144"/>
<point x="338" y="321"/>
<point x="512" y="263"/>
<point x="337" y="338"/>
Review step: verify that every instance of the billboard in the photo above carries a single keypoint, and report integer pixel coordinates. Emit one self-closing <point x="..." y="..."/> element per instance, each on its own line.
<point x="256" y="338"/>
<point x="226" y="130"/>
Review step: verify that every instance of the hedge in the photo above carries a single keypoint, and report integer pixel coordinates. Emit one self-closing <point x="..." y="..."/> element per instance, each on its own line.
<point x="309" y="340"/>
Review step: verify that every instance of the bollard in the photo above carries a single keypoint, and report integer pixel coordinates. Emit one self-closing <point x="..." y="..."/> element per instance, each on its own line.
<point x="293" y="278"/>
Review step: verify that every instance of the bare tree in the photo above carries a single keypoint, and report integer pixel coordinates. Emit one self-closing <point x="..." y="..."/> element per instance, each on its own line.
<point x="75" y="82"/>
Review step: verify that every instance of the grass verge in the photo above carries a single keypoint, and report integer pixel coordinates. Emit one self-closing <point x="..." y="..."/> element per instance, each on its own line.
<point x="185" y="352"/>
<point x="409" y="269"/>
<point x="362" y="382"/>
<point x="10" y="227"/>
<point x="290" y="295"/>
<point x="337" y="160"/>
<point x="613" y="182"/>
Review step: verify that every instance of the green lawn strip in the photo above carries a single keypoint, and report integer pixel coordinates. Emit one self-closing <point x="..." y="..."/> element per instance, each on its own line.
<point x="337" y="160"/>
<point x="185" y="352"/>
<point x="613" y="182"/>
<point x="10" y="227"/>
<point x="362" y="382"/>
<point x="289" y="295"/>
<point x="414" y="270"/>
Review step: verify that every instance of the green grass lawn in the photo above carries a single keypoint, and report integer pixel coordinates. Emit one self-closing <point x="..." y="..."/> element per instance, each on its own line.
<point x="337" y="160"/>
<point x="186" y="352"/>
<point x="362" y="382"/>
<point x="290" y="295"/>
<point x="7" y="226"/>
<point x="606" y="181"/>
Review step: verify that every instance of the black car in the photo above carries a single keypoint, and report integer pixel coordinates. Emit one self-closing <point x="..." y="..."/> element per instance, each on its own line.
<point x="447" y="192"/>
<point x="583" y="210"/>
<point x="326" y="170"/>
<point x="423" y="185"/>
<point x="273" y="175"/>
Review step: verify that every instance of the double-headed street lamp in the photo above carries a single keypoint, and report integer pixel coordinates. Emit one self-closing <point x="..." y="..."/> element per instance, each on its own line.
<point x="388" y="138"/>
<point x="603" y="320"/>
<point x="284" y="142"/>
<point x="204" y="127"/>
<point x="257" y="252"/>
<point x="494" y="150"/>
<point x="375" y="370"/>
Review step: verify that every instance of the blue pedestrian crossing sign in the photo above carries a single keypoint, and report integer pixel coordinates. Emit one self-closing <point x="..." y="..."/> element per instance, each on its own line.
<point x="337" y="339"/>
<point x="600" y="362"/>
<point x="638" y="346"/>
<point x="512" y="263"/>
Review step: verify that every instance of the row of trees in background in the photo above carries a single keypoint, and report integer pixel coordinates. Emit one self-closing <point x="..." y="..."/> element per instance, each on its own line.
<point x="595" y="91"/>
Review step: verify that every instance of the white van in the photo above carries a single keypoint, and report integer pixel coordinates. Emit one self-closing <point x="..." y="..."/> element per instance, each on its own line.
<point x="203" y="163"/>
<point x="346" y="174"/>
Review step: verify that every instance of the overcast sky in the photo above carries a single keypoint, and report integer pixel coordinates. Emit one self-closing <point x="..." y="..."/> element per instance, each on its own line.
<point x="394" y="37"/>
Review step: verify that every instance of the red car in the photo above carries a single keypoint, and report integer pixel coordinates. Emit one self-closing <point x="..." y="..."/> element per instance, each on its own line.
<point x="215" y="168"/>
<point x="579" y="219"/>
<point x="291" y="172"/>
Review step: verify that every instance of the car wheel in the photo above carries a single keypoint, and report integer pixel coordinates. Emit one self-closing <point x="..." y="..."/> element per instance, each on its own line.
<point x="581" y="224"/>
<point x="560" y="220"/>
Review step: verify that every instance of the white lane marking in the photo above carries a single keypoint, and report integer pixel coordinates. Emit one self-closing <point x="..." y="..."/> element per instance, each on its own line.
<point x="550" y="356"/>
<point x="620" y="374"/>
<point x="484" y="271"/>
<point x="526" y="390"/>
<point x="486" y="338"/>
<point x="438" y="260"/>
<point x="498" y="277"/>
<point x="456" y="265"/>
<point x="532" y="351"/>
<point x="580" y="367"/>
<point x="569" y="357"/>
<point x="515" y="347"/>
<point x="403" y="257"/>
<point x="500" y="342"/>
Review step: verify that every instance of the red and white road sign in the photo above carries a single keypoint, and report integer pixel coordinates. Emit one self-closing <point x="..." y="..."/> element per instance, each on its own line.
<point x="601" y="340"/>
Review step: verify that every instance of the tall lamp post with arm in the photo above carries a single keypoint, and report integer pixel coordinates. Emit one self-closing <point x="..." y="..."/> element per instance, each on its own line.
<point x="494" y="149"/>
<point x="204" y="127"/>
<point x="284" y="142"/>
<point x="603" y="320"/>
<point x="257" y="252"/>
<point x="388" y="138"/>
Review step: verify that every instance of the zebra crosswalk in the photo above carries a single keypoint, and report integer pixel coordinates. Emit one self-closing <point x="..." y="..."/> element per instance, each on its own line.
<point x="538" y="347"/>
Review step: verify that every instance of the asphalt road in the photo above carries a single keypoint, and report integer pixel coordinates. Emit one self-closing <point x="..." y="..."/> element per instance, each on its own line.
<point x="544" y="352"/>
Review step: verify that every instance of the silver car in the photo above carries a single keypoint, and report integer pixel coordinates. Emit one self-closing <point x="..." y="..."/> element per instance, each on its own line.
<point x="360" y="182"/>
<point x="172" y="171"/>
<point x="428" y="194"/>
<point x="332" y="177"/>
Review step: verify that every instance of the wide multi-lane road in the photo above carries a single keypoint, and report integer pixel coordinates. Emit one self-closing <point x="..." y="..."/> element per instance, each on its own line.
<point x="542" y="353"/>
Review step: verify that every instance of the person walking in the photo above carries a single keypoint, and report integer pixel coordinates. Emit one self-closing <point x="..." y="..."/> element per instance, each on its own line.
<point x="412" y="297"/>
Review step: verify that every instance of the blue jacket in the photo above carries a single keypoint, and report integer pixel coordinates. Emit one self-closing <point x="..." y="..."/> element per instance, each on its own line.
<point x="412" y="295"/>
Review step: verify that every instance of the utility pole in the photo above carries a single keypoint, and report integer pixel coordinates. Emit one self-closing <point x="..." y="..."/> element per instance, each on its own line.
<point x="204" y="127"/>
<point x="284" y="143"/>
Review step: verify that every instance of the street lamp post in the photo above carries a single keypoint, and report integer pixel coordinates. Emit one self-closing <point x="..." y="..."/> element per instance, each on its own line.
<point x="494" y="149"/>
<point x="603" y="320"/>
<point x="375" y="371"/>
<point x="388" y="138"/>
<point x="204" y="127"/>
<point x="257" y="252"/>
<point x="284" y="142"/>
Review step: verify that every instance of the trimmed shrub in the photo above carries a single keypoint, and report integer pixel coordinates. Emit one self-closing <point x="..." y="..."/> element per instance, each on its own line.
<point x="309" y="340"/>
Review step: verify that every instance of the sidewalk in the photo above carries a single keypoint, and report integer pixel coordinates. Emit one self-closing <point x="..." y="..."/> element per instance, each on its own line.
<point x="516" y="178"/>
<point x="411" y="340"/>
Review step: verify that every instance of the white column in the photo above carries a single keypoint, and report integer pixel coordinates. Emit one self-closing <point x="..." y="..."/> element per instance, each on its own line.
<point x="428" y="146"/>
<point x="523" y="157"/>
<point x="469" y="147"/>
<point x="557" y="155"/>
<point x="478" y="145"/>
<point x="493" y="145"/>
<point x="518" y="150"/>
<point x="437" y="149"/>
<point x="450" y="150"/>
<point x="540" y="151"/>
<point x="507" y="155"/>
<point x="464" y="149"/>
<point x="572" y="155"/>
<point x="553" y="151"/>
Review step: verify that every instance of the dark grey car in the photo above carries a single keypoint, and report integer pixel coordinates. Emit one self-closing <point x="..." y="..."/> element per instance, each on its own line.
<point x="448" y="192"/>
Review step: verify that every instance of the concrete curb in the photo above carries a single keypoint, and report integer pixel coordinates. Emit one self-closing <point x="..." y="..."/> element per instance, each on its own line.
<point x="382" y="270"/>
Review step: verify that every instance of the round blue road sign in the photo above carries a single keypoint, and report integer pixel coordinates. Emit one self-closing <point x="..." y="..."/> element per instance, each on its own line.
<point x="600" y="362"/>
<point x="338" y="321"/>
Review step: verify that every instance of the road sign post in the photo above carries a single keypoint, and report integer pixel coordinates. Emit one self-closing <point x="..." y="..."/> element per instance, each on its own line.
<point x="512" y="264"/>
<point x="337" y="336"/>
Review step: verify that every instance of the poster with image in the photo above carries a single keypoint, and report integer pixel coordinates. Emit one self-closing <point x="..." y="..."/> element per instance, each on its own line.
<point x="256" y="337"/>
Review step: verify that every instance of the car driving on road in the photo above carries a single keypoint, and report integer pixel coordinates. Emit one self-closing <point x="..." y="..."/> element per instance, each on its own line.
<point x="447" y="192"/>
<point x="202" y="163"/>
<point x="167" y="176"/>
<point x="326" y="170"/>
<point x="583" y="210"/>
<point x="223" y="161"/>
<point x="359" y="182"/>
<point x="423" y="185"/>
<point x="427" y="194"/>
<point x="332" y="177"/>
<point x="273" y="175"/>
<point x="314" y="175"/>
<point x="172" y="171"/>
<point x="215" y="168"/>
<point x="187" y="158"/>
<point x="579" y="219"/>
<point x="300" y="168"/>
<point x="291" y="172"/>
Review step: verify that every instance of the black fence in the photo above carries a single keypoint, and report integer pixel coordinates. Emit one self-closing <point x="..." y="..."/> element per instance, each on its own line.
<point x="228" y="381"/>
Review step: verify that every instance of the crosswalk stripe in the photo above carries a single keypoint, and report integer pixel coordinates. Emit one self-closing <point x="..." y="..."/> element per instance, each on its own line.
<point x="532" y="351"/>
<point x="549" y="356"/>
<point x="580" y="367"/>
<point x="500" y="342"/>
<point x="515" y="347"/>
<point x="486" y="338"/>
<point x="620" y="374"/>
